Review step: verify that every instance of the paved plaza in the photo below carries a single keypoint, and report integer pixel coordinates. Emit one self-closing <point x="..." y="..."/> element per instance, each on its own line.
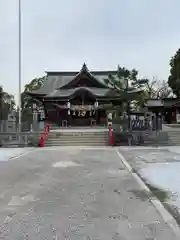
<point x="74" y="193"/>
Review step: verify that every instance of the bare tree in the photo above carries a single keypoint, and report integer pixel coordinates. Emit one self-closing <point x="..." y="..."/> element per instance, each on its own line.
<point x="153" y="89"/>
<point x="158" y="89"/>
<point x="163" y="90"/>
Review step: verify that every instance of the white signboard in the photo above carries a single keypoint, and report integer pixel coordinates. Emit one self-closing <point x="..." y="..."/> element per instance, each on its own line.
<point x="41" y="126"/>
<point x="178" y="118"/>
<point x="109" y="119"/>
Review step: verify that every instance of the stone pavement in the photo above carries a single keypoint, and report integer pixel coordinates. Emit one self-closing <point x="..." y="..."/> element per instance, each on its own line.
<point x="75" y="193"/>
<point x="8" y="153"/>
<point x="159" y="168"/>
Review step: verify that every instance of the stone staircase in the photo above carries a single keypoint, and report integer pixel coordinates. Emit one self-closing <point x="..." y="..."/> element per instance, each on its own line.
<point x="173" y="131"/>
<point x="163" y="138"/>
<point x="149" y="138"/>
<point x="174" y="137"/>
<point x="77" y="138"/>
<point x="157" y="139"/>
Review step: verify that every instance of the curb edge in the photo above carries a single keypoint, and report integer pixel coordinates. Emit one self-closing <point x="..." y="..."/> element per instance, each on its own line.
<point x="167" y="217"/>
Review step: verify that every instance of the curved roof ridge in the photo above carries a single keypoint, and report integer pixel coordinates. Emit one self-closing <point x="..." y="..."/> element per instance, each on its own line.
<point x="69" y="92"/>
<point x="84" y="69"/>
<point x="83" y="87"/>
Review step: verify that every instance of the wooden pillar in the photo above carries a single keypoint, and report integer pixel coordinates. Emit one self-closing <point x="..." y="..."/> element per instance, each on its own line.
<point x="96" y="104"/>
<point x="174" y="110"/>
<point x="58" y="117"/>
<point x="69" y="117"/>
<point x="96" y="117"/>
<point x="69" y="113"/>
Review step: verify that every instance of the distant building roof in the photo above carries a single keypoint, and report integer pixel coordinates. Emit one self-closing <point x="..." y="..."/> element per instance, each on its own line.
<point x="166" y="102"/>
<point x="154" y="103"/>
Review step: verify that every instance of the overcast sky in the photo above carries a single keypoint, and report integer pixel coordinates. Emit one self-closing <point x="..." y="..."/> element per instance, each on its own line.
<point x="62" y="34"/>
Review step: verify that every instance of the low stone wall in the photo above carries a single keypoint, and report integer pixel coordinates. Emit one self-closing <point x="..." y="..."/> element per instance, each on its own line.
<point x="24" y="139"/>
<point x="143" y="138"/>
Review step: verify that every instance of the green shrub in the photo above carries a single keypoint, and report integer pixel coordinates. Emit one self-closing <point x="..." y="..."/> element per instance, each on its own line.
<point x="122" y="122"/>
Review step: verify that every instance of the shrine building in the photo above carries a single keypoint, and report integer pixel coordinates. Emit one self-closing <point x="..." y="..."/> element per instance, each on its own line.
<point x="75" y="98"/>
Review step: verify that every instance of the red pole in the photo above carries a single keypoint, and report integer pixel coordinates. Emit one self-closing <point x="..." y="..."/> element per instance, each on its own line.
<point x="41" y="140"/>
<point x="111" y="138"/>
<point x="41" y="143"/>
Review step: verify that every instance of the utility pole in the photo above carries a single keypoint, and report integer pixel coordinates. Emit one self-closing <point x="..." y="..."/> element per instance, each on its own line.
<point x="19" y="58"/>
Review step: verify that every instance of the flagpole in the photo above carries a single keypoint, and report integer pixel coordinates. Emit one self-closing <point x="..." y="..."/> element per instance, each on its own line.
<point x="19" y="62"/>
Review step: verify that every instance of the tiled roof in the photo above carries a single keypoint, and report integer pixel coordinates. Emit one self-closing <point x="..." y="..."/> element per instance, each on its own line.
<point x="54" y="81"/>
<point x="168" y="103"/>
<point x="70" y="92"/>
<point x="154" y="103"/>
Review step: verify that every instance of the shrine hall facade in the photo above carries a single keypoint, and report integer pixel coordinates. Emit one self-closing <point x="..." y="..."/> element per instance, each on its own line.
<point x="76" y="98"/>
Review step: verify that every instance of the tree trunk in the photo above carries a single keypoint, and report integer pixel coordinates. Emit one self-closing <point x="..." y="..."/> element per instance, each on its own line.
<point x="128" y="113"/>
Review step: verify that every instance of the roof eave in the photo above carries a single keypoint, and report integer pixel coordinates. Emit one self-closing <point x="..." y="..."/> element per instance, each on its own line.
<point x="35" y="94"/>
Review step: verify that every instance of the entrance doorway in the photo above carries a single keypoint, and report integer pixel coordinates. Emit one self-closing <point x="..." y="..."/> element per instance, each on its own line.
<point x="83" y="118"/>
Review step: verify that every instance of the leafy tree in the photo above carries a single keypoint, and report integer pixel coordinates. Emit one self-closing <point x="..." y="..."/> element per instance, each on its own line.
<point x="174" y="77"/>
<point x="26" y="100"/>
<point x="147" y="93"/>
<point x="7" y="103"/>
<point x="35" y="84"/>
<point x="127" y="86"/>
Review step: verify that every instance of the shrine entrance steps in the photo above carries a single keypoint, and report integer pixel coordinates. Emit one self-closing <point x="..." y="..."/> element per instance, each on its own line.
<point x="78" y="137"/>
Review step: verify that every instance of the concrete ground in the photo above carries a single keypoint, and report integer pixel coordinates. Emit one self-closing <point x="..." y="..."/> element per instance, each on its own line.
<point x="74" y="193"/>
<point x="158" y="167"/>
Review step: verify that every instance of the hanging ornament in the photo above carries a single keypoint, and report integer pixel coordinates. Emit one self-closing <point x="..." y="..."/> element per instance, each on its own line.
<point x="74" y="113"/>
<point x="68" y="104"/>
<point x="96" y="104"/>
<point x="83" y="113"/>
<point x="90" y="113"/>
